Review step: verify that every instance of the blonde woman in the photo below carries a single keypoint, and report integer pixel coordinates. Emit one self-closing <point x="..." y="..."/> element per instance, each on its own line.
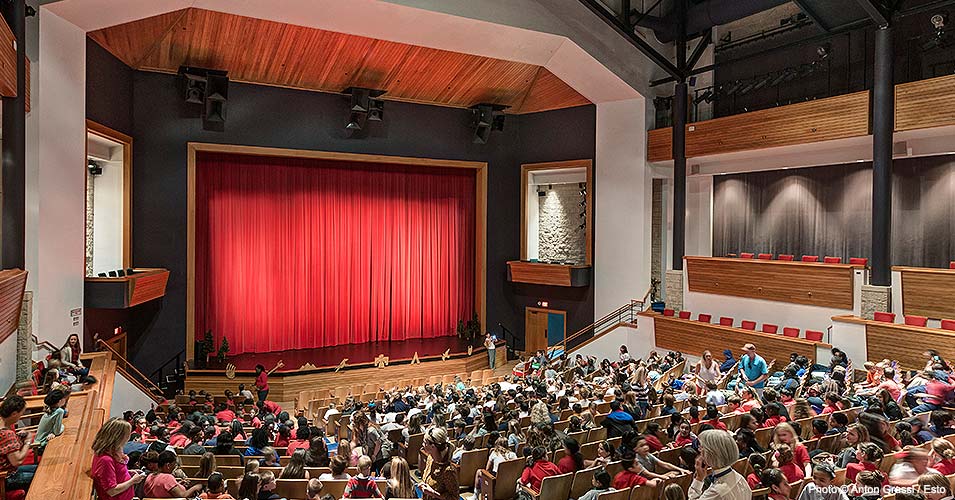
<point x="401" y="485"/>
<point x="296" y="467"/>
<point x="111" y="479"/>
<point x="207" y="464"/>
<point x="855" y="434"/>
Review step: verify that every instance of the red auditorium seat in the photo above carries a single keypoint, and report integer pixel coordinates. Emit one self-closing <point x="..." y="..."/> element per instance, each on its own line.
<point x="832" y="260"/>
<point x="748" y="325"/>
<point x="916" y="320"/>
<point x="746" y="255"/>
<point x="726" y="321"/>
<point x="814" y="335"/>
<point x="884" y="317"/>
<point x="705" y="318"/>
<point x="948" y="324"/>
<point x="791" y="332"/>
<point x="684" y="314"/>
<point x="668" y="312"/>
<point x="765" y="256"/>
<point x="770" y="328"/>
<point x="858" y="261"/>
<point x="785" y="256"/>
<point x="951" y="265"/>
<point x="810" y="258"/>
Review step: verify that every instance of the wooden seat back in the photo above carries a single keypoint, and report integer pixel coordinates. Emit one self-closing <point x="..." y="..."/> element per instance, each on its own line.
<point x="471" y="462"/>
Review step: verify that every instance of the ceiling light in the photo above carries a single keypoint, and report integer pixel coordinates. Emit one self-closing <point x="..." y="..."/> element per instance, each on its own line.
<point x="824" y="50"/>
<point x="938" y="21"/>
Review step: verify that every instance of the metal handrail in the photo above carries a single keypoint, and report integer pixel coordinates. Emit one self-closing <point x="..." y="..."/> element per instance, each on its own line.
<point x="50" y="347"/>
<point x="627" y="311"/>
<point x="128" y="366"/>
<point x="163" y="366"/>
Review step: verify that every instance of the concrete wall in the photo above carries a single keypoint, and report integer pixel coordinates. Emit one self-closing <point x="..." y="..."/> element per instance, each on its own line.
<point x="60" y="195"/>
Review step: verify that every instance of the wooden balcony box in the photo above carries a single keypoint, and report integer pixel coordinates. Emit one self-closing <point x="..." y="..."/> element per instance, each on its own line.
<point x="123" y="292"/>
<point x="539" y="273"/>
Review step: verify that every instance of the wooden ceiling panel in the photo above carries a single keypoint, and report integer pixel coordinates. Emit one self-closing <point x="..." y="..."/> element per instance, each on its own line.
<point x="549" y="92"/>
<point x="267" y="52"/>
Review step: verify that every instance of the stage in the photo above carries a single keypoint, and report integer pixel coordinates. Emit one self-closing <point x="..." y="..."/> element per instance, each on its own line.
<point x="356" y="353"/>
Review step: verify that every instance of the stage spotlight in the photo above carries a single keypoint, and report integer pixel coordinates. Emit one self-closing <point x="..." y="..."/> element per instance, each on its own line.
<point x="541" y="192"/>
<point x="746" y="88"/>
<point x="355" y="121"/>
<point x="703" y="96"/>
<point x="734" y="87"/>
<point x="824" y="50"/>
<point x="486" y="118"/>
<point x="94" y="168"/>
<point x="938" y="21"/>
<point x="216" y="97"/>
<point x="762" y="83"/>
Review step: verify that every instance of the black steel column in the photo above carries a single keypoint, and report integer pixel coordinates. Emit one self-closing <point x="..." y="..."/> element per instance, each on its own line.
<point x="679" y="109"/>
<point x="12" y="251"/>
<point x="883" y="123"/>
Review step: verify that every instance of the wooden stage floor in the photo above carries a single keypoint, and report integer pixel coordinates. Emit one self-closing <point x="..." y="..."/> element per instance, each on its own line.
<point x="356" y="353"/>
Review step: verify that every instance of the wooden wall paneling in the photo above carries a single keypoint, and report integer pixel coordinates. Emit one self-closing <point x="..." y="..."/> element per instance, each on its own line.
<point x="693" y="337"/>
<point x="925" y="103"/>
<point x="148" y="287"/>
<point x="906" y="343"/>
<point x="824" y="285"/>
<point x="928" y="292"/>
<point x="268" y="52"/>
<point x="8" y="61"/>
<point x="285" y="387"/>
<point x="826" y="119"/>
<point x="12" y="284"/>
<point x="543" y="274"/>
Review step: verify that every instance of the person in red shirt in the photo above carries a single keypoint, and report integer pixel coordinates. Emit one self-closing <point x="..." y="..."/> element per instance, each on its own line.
<point x="282" y="437"/>
<point x="868" y="455"/>
<point x="713" y="417"/>
<point x="944" y="452"/>
<point x="651" y="434"/>
<point x="758" y="462"/>
<point x="773" y="418"/>
<point x="301" y="441"/>
<point x="935" y="394"/>
<point x="572" y="461"/>
<point x="224" y="414"/>
<point x="832" y="404"/>
<point x="15" y="446"/>
<point x="537" y="469"/>
<point x="684" y="436"/>
<point x="785" y="434"/>
<point x="792" y="471"/>
<point x="631" y="475"/>
<point x="262" y="379"/>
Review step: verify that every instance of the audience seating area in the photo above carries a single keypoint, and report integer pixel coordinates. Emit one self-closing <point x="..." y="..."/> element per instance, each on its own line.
<point x="912" y="320"/>
<point x="856" y="261"/>
<point x="813" y="335"/>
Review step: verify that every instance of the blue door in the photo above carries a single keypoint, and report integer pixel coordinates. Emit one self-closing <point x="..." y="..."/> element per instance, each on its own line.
<point x="555" y="328"/>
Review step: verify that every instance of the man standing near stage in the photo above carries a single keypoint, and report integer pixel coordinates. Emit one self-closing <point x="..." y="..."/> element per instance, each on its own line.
<point x="489" y="344"/>
<point x="753" y="369"/>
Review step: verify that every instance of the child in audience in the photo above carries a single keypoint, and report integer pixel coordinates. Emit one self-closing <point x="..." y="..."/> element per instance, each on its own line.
<point x="215" y="488"/>
<point x="758" y="463"/>
<point x="252" y="467"/>
<point x="267" y="486"/>
<point x="314" y="489"/>
<point x="363" y="485"/>
<point x="910" y="465"/>
<point x="787" y="464"/>
<point x="269" y="457"/>
<point x="775" y="480"/>
<point x="868" y="485"/>
<point x="773" y="417"/>
<point x="821" y="487"/>
<point x="944" y="453"/>
<point x="601" y="484"/>
<point x="785" y="434"/>
<point x="651" y="464"/>
<point x="819" y="428"/>
<point x="338" y="466"/>
<point x="632" y="475"/>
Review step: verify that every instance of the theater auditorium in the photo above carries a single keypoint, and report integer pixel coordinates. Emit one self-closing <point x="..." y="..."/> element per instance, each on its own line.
<point x="477" y="249"/>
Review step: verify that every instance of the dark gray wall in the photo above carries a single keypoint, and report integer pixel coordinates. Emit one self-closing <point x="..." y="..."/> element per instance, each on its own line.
<point x="827" y="211"/>
<point x="109" y="89"/>
<point x="162" y="125"/>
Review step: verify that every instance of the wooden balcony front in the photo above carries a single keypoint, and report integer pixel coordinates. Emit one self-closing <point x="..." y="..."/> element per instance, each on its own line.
<point x="126" y="291"/>
<point x="539" y="273"/>
<point x="927" y="292"/>
<point x="815" y="284"/>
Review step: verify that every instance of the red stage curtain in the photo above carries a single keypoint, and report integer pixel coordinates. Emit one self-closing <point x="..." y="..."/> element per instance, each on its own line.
<point x="298" y="254"/>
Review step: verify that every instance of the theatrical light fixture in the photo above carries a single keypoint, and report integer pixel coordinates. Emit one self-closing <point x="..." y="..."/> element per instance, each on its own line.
<point x="541" y="192"/>
<point x="762" y="83"/>
<point x="94" y="168"/>
<point x="732" y="88"/>
<point x="706" y="95"/>
<point x="550" y="187"/>
<point x="486" y="118"/>
<point x="824" y="50"/>
<point x="355" y="121"/>
<point x="938" y="21"/>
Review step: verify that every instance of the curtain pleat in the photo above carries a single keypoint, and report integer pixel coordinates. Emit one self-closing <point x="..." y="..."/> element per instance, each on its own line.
<point x="298" y="254"/>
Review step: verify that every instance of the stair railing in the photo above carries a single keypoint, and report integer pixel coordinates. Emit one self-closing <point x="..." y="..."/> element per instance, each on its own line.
<point x="133" y="374"/>
<point x="625" y="314"/>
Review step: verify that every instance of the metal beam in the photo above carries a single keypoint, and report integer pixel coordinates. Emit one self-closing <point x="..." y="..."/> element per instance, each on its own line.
<point x="883" y="103"/>
<point x="701" y="46"/>
<point x="806" y="9"/>
<point x="874" y="11"/>
<point x="628" y="34"/>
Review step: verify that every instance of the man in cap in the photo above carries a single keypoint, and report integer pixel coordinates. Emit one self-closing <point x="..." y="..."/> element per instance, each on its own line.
<point x="753" y="369"/>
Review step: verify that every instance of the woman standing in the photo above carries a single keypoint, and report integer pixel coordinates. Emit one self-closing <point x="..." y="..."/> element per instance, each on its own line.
<point x="491" y="351"/>
<point x="111" y="479"/>
<point x="706" y="370"/>
<point x="262" y="379"/>
<point x="440" y="477"/>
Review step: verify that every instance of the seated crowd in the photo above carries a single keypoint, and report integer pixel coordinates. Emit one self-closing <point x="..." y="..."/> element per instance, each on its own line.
<point x="728" y="429"/>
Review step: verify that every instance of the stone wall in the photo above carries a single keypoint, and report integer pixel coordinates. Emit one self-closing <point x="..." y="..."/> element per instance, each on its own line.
<point x="561" y="236"/>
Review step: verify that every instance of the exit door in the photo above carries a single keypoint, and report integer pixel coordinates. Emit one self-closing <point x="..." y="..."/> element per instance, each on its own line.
<point x="543" y="328"/>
